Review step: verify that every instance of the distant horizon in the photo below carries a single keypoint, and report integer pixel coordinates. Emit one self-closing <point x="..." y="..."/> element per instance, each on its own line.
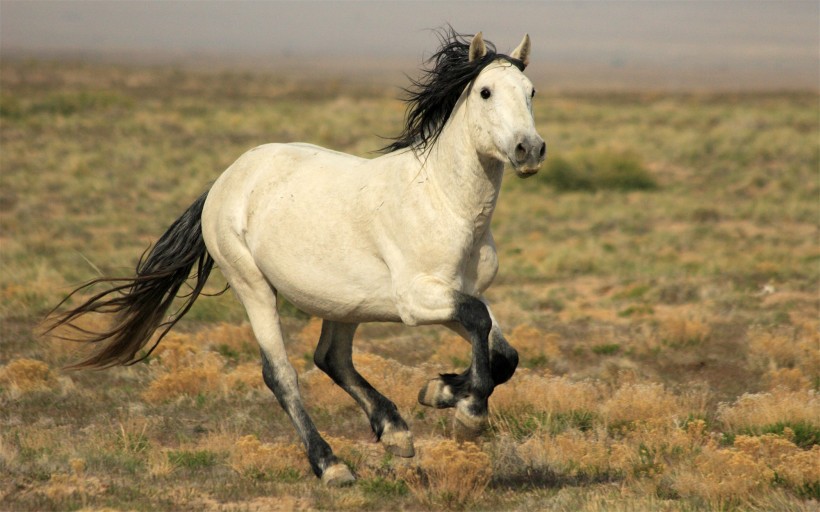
<point x="697" y="45"/>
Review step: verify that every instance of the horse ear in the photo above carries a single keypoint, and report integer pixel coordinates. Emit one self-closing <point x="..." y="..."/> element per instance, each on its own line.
<point x="477" y="47"/>
<point x="522" y="53"/>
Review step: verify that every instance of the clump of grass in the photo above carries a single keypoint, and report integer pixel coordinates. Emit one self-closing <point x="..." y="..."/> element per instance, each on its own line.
<point x="597" y="170"/>
<point x="641" y="403"/>
<point x="450" y="475"/>
<point x="789" y="356"/>
<point x="606" y="349"/>
<point x="679" y="331"/>
<point x="758" y="411"/>
<point x="383" y="488"/>
<point x="531" y="392"/>
<point x="231" y="341"/>
<point x="23" y="376"/>
<point x="722" y="477"/>
<point x="196" y="459"/>
<point x="572" y="453"/>
<point x="196" y="381"/>
<point x="74" y="486"/>
<point x="274" y="461"/>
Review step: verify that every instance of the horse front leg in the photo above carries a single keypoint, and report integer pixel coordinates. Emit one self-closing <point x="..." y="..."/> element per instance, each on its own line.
<point x="334" y="356"/>
<point x="439" y="392"/>
<point x="428" y="301"/>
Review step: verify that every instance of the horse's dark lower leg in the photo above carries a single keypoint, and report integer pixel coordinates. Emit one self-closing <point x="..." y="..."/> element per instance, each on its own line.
<point x="446" y="390"/>
<point x="334" y="356"/>
<point x="471" y="405"/>
<point x="324" y="464"/>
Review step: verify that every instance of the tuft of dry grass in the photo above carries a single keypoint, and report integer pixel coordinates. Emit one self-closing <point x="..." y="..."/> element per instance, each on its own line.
<point x="231" y="341"/>
<point x="23" y="376"/>
<point x="203" y="378"/>
<point x="722" y="477"/>
<point x="642" y="402"/>
<point x="553" y="394"/>
<point x="449" y="474"/>
<point x="253" y="459"/>
<point x="754" y="410"/>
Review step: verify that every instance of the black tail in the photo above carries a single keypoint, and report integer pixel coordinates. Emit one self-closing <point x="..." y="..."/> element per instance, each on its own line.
<point x="141" y="302"/>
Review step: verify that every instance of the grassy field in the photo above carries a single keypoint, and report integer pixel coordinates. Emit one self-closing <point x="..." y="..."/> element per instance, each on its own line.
<point x="659" y="278"/>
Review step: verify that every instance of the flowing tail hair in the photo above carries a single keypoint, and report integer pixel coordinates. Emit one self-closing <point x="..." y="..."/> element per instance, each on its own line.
<point x="141" y="302"/>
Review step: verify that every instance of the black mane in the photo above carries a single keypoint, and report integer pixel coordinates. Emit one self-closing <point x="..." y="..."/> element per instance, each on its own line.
<point x="431" y="98"/>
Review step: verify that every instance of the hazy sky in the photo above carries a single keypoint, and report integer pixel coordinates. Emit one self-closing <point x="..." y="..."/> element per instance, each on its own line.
<point x="774" y="43"/>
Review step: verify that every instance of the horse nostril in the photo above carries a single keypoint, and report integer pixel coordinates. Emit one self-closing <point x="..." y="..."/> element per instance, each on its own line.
<point x="520" y="152"/>
<point x="543" y="150"/>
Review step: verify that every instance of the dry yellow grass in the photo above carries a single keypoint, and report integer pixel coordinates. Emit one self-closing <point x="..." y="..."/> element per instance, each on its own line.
<point x="779" y="405"/>
<point x="642" y="402"/>
<point x="449" y="474"/>
<point x="528" y="390"/>
<point x="23" y="376"/>
<point x="722" y="477"/>
<point x="224" y="337"/>
<point x="254" y="459"/>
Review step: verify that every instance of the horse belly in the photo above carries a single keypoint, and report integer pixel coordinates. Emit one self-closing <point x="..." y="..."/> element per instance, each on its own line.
<point x="324" y="288"/>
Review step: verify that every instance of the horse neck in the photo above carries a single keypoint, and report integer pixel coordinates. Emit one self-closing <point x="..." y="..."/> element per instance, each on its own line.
<point x="467" y="182"/>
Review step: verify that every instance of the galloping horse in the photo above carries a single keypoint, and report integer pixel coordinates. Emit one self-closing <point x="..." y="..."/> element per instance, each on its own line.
<point x="404" y="237"/>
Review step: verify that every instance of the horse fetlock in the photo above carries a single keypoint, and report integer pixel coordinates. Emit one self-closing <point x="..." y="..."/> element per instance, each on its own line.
<point x="437" y="394"/>
<point x="337" y="475"/>
<point x="398" y="441"/>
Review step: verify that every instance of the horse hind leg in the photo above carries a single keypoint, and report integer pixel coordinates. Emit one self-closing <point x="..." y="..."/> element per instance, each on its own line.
<point x="334" y="356"/>
<point x="259" y="300"/>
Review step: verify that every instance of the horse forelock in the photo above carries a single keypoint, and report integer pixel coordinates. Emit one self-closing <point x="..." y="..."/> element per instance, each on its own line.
<point x="431" y="98"/>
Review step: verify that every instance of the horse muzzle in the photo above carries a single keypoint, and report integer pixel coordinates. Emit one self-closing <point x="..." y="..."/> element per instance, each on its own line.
<point x="528" y="155"/>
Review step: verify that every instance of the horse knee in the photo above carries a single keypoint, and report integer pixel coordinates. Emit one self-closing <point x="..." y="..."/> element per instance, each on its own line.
<point x="474" y="316"/>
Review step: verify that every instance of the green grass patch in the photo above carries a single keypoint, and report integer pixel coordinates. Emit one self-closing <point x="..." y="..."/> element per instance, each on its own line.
<point x="383" y="488"/>
<point x="64" y="103"/>
<point x="805" y="435"/>
<point x="193" y="459"/>
<point x="523" y="424"/>
<point x="606" y="349"/>
<point x="597" y="170"/>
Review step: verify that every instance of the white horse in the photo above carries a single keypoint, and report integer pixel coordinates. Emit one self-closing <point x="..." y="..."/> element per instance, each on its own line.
<point x="404" y="237"/>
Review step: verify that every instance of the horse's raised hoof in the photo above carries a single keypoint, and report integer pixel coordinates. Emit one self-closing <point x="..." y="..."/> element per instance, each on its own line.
<point x="338" y="475"/>
<point x="437" y="394"/>
<point x="467" y="427"/>
<point x="398" y="442"/>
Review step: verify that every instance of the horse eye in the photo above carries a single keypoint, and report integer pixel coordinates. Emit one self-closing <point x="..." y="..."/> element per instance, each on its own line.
<point x="485" y="93"/>
<point x="533" y="94"/>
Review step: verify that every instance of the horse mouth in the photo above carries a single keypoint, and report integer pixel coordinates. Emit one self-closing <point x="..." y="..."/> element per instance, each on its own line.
<point x="526" y="172"/>
<point x="526" y="169"/>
